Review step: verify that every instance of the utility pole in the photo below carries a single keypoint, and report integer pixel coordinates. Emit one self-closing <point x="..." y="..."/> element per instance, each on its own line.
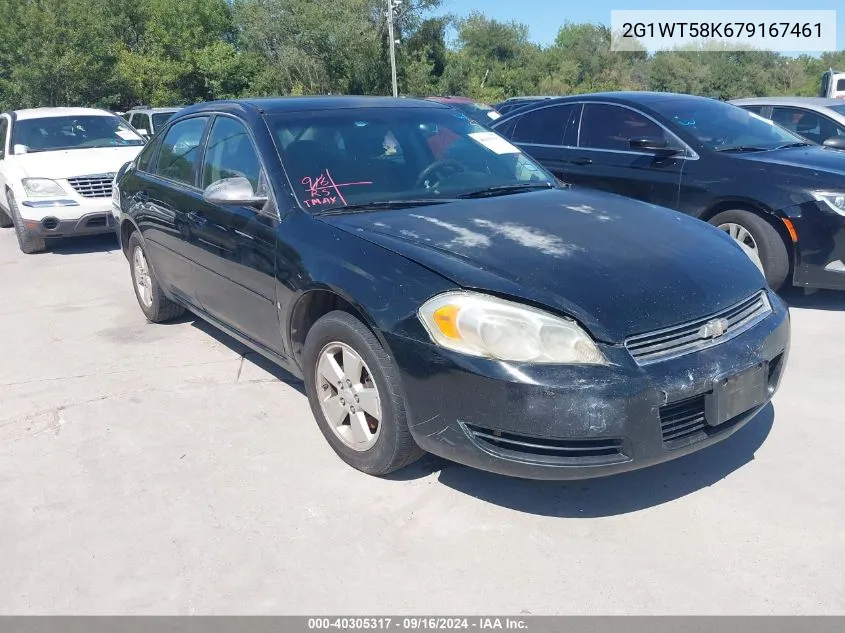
<point x="390" y="4"/>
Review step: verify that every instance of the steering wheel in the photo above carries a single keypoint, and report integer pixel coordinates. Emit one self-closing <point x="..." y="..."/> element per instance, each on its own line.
<point x="439" y="168"/>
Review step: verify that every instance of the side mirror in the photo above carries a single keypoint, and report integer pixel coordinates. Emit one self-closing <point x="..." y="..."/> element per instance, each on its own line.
<point x="237" y="191"/>
<point x="143" y="131"/>
<point x="19" y="149"/>
<point x="835" y="142"/>
<point x="655" y="145"/>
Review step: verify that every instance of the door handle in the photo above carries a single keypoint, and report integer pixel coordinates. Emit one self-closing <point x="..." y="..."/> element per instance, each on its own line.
<point x="582" y="160"/>
<point x="197" y="218"/>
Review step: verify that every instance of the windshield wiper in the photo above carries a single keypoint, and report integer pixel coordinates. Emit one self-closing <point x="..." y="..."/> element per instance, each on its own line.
<point x="382" y="205"/>
<point x="795" y="144"/>
<point x="503" y="190"/>
<point x="742" y="148"/>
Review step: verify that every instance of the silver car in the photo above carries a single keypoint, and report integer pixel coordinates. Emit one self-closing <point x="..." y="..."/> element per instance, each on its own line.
<point x="819" y="120"/>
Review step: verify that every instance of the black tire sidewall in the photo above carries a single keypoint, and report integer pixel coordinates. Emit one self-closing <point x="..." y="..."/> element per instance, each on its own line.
<point x="28" y="243"/>
<point x="773" y="251"/>
<point x="340" y="327"/>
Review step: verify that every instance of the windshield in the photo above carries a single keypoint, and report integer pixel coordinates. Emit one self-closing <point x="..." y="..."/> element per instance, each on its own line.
<point x="344" y="158"/>
<point x="161" y="118"/>
<point x="838" y="108"/>
<point x="720" y="125"/>
<point x="478" y="111"/>
<point x="74" y="132"/>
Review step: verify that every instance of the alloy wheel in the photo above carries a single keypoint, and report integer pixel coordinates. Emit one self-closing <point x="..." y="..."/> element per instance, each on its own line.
<point x="349" y="398"/>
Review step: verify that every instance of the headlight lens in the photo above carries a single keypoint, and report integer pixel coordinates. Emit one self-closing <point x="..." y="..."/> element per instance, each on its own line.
<point x="833" y="199"/>
<point x="481" y="325"/>
<point x="40" y="187"/>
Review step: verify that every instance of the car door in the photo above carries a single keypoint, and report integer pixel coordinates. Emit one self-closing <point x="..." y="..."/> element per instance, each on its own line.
<point x="164" y="194"/>
<point x="236" y="244"/>
<point x="547" y="134"/>
<point x="606" y="160"/>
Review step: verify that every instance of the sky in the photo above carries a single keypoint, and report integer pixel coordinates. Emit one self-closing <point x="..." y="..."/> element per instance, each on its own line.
<point x="545" y="17"/>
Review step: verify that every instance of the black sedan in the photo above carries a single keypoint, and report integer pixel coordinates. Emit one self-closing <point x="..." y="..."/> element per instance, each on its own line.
<point x="438" y="291"/>
<point x="777" y="194"/>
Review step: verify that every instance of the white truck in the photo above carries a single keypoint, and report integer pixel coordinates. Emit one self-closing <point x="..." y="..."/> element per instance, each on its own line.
<point x="833" y="85"/>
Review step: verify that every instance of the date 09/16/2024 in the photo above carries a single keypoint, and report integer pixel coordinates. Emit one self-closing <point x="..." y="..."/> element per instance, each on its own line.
<point x="416" y="623"/>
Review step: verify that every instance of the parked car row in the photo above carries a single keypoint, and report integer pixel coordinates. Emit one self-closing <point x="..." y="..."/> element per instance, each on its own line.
<point x="522" y="300"/>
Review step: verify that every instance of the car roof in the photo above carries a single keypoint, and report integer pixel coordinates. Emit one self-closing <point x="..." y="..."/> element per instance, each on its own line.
<point x="451" y="99"/>
<point x="789" y="101"/>
<point x="43" y="113"/>
<point x="162" y="109"/>
<point x="275" y="105"/>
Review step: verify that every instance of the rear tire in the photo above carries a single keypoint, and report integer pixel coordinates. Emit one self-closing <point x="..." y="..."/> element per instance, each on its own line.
<point x="389" y="445"/>
<point x="28" y="242"/>
<point x="157" y="307"/>
<point x="770" y="246"/>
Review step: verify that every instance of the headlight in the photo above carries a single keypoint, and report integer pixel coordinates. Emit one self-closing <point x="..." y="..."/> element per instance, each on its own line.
<point x="481" y="325"/>
<point x="40" y="187"/>
<point x="833" y="199"/>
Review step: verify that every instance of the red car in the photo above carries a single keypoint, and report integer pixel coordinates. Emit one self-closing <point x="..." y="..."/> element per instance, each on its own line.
<point x="481" y="113"/>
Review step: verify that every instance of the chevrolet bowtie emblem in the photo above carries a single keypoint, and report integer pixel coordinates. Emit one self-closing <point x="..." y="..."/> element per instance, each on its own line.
<point x="713" y="329"/>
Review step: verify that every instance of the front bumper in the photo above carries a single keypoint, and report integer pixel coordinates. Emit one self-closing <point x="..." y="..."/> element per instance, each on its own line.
<point x="820" y="249"/>
<point x="559" y="422"/>
<point x="64" y="218"/>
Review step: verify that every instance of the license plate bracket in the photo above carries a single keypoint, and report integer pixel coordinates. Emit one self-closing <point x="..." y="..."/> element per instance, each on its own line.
<point x="736" y="393"/>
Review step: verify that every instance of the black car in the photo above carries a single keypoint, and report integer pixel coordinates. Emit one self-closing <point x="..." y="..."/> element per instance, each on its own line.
<point x="779" y="195"/>
<point x="514" y="103"/>
<point x="438" y="291"/>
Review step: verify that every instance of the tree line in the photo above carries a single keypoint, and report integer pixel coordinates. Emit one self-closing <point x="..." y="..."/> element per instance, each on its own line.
<point x="120" y="53"/>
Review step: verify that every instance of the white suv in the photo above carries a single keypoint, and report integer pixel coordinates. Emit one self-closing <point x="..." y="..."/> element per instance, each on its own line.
<point x="56" y="171"/>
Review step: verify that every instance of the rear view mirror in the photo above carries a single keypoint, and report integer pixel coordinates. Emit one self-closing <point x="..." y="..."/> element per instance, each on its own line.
<point x="237" y="191"/>
<point x="835" y="142"/>
<point x="654" y="144"/>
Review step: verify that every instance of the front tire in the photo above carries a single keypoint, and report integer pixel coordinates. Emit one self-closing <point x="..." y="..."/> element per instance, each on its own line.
<point x="153" y="302"/>
<point x="29" y="243"/>
<point x="354" y="391"/>
<point x="759" y="236"/>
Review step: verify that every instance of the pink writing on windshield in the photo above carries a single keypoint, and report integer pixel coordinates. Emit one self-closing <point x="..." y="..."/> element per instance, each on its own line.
<point x="324" y="190"/>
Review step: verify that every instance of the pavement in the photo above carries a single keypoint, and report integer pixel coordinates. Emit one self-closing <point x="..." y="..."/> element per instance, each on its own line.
<point x="163" y="469"/>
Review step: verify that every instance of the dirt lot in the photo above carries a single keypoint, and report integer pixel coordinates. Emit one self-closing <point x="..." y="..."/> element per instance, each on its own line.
<point x="158" y="469"/>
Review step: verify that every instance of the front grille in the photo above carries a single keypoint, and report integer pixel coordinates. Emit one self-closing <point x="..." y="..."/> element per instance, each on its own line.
<point x="689" y="337"/>
<point x="548" y="450"/>
<point x="98" y="186"/>
<point x="97" y="220"/>
<point x="683" y="422"/>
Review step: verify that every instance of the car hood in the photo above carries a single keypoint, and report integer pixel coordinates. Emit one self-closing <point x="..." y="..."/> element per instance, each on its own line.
<point x="76" y="162"/>
<point x="618" y="266"/>
<point x="816" y="158"/>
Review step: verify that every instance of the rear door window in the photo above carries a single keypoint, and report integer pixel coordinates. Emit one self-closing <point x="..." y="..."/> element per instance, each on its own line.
<point x="611" y="127"/>
<point x="545" y="126"/>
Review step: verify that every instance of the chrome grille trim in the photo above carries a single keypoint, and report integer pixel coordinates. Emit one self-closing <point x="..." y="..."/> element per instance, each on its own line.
<point x="94" y="186"/>
<point x="685" y="338"/>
